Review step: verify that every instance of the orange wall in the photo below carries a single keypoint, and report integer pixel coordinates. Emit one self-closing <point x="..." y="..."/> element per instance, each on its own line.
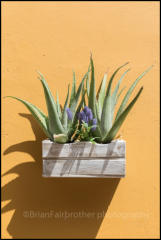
<point x="55" y="38"/>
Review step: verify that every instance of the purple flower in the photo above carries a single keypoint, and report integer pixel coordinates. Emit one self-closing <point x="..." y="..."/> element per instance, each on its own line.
<point x="94" y="123"/>
<point x="82" y="116"/>
<point x="88" y="113"/>
<point x="69" y="113"/>
<point x="87" y="119"/>
<point x="86" y="109"/>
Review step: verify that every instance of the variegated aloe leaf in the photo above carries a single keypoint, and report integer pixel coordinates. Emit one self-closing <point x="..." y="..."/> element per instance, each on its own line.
<point x="55" y="125"/>
<point x="64" y="119"/>
<point x="117" y="124"/>
<point x="37" y="114"/>
<point x="128" y="94"/>
<point x="73" y="91"/>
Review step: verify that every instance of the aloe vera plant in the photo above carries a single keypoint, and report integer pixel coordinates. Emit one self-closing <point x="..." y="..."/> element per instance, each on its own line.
<point x="103" y="104"/>
<point x="75" y="120"/>
<point x="57" y="125"/>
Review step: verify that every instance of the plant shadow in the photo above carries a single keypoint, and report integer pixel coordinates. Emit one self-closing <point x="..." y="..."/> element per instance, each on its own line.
<point x="53" y="207"/>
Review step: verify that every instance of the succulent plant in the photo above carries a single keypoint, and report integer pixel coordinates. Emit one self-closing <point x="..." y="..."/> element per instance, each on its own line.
<point x="75" y="120"/>
<point x="61" y="122"/>
<point x="103" y="104"/>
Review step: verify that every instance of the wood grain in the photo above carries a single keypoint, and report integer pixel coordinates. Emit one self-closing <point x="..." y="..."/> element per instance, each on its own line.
<point x="84" y="159"/>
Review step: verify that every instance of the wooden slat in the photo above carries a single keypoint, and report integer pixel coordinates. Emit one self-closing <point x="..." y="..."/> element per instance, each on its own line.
<point x="86" y="167"/>
<point x="83" y="150"/>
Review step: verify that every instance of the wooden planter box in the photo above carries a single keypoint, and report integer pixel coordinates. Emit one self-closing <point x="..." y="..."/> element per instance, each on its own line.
<point x="84" y="159"/>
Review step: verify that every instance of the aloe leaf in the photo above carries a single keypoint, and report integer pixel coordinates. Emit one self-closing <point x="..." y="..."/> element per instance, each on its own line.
<point x="119" y="94"/>
<point x="97" y="134"/>
<point x="79" y="108"/>
<point x="64" y="113"/>
<point x="107" y="114"/>
<point x="58" y="105"/>
<point x="98" y="111"/>
<point x="60" y="138"/>
<point x="100" y="96"/>
<point x="109" y="104"/>
<point x="112" y="77"/>
<point x="87" y="80"/>
<point x="76" y="99"/>
<point x="87" y="85"/>
<point x="92" y="92"/>
<point x="75" y="117"/>
<point x="128" y="94"/>
<point x="55" y="125"/>
<point x="84" y="102"/>
<point x="73" y="91"/>
<point x="117" y="98"/>
<point x="37" y="114"/>
<point x="118" y="84"/>
<point x="102" y="92"/>
<point x="117" y="124"/>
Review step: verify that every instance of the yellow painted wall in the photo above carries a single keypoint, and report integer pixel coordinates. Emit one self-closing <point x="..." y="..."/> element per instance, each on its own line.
<point x="55" y="38"/>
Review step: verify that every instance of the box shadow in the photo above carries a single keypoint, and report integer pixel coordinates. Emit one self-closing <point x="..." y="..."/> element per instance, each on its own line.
<point x="53" y="207"/>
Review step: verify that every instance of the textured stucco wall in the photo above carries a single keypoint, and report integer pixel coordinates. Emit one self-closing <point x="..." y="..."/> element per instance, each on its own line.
<point x="55" y="38"/>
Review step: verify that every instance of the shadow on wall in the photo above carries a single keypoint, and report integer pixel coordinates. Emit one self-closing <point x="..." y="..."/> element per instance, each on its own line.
<point x="53" y="207"/>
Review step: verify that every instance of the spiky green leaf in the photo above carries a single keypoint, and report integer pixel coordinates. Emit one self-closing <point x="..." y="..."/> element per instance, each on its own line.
<point x="73" y="91"/>
<point x="112" y="77"/>
<point x="129" y="92"/>
<point x="55" y="125"/>
<point x="98" y="111"/>
<point x="117" y="124"/>
<point x="78" y="93"/>
<point x="102" y="91"/>
<point x="37" y="114"/>
<point x="107" y="114"/>
<point x="92" y="91"/>
<point x="87" y="80"/>
<point x="118" y="84"/>
<point x="64" y="119"/>
<point x="84" y="102"/>
<point x="119" y="94"/>
<point x="58" y="105"/>
<point x="75" y="117"/>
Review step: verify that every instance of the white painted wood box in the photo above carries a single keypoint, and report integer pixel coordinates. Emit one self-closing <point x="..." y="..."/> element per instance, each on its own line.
<point x="84" y="159"/>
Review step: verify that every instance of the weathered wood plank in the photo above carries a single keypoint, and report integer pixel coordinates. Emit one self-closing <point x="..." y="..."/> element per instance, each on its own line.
<point x="85" y="176"/>
<point x="86" y="167"/>
<point x="83" y="150"/>
<point x="84" y="159"/>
